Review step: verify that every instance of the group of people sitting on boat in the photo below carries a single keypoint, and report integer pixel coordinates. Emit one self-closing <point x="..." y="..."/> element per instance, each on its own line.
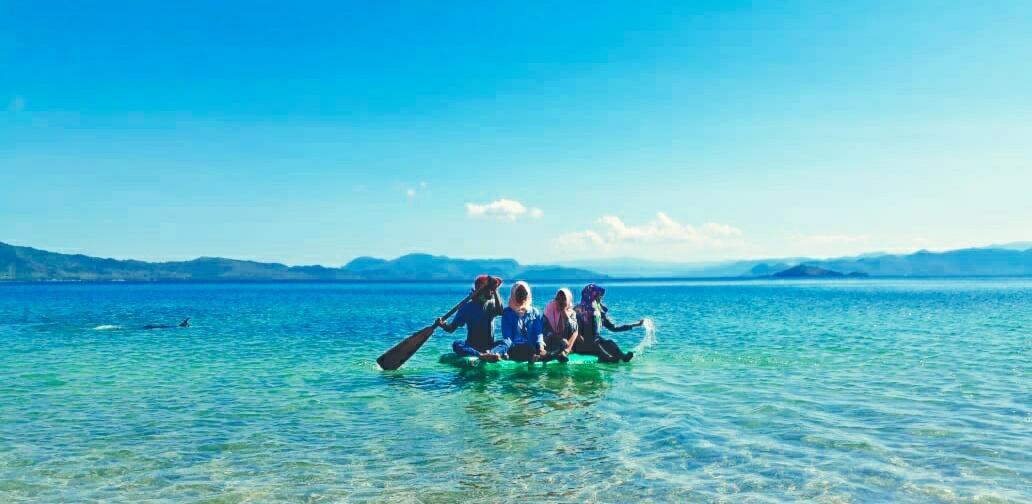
<point x="530" y="336"/>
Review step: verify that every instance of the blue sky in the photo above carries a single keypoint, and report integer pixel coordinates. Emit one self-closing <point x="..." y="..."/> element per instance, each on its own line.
<point x="316" y="132"/>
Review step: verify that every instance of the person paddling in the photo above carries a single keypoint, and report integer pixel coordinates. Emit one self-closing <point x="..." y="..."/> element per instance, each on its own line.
<point x="522" y="326"/>
<point x="560" y="325"/>
<point x="592" y="316"/>
<point x="478" y="316"/>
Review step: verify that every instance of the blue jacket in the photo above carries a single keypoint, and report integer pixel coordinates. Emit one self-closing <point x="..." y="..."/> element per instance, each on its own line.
<point x="525" y="330"/>
<point x="479" y="321"/>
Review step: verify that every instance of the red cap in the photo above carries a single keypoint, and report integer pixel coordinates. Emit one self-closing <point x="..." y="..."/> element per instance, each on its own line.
<point x="483" y="279"/>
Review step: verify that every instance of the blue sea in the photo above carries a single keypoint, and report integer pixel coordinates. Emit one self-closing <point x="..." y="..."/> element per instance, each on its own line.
<point x="753" y="391"/>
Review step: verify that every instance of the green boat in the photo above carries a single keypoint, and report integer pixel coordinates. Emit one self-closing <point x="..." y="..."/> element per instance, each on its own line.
<point x="461" y="361"/>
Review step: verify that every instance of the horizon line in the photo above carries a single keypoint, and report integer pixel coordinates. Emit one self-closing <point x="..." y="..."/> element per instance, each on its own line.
<point x="553" y="263"/>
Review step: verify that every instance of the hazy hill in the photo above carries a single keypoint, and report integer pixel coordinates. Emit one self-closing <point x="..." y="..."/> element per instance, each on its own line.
<point x="991" y="262"/>
<point x="1023" y="245"/>
<point x="430" y="267"/>
<point x="804" y="271"/>
<point x="1012" y="259"/>
<point x="26" y="263"/>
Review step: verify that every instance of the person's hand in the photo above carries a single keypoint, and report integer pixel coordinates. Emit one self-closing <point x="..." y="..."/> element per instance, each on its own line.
<point x="439" y="322"/>
<point x="640" y="323"/>
<point x="497" y="283"/>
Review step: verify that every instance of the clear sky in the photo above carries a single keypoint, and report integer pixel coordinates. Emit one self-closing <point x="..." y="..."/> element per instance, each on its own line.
<point x="316" y="132"/>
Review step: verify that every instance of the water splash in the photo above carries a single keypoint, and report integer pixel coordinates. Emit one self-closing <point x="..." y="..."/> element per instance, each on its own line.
<point x="107" y="327"/>
<point x="649" y="339"/>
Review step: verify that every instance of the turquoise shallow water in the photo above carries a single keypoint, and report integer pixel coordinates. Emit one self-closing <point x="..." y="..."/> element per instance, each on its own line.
<point x="842" y="391"/>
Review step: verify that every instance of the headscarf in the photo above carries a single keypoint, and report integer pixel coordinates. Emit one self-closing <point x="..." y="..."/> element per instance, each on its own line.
<point x="556" y="317"/>
<point x="478" y="283"/>
<point x="591" y="306"/>
<point x="520" y="309"/>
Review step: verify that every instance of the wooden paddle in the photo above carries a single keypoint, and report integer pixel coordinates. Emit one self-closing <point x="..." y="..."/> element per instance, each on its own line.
<point x="393" y="359"/>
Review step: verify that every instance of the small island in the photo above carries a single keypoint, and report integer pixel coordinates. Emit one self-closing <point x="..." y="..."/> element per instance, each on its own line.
<point x="804" y="271"/>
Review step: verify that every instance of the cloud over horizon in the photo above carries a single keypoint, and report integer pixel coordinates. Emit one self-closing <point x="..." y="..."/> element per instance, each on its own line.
<point x="615" y="235"/>
<point x="502" y="209"/>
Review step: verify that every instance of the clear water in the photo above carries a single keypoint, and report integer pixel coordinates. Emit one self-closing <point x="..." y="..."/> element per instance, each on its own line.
<point x="848" y="391"/>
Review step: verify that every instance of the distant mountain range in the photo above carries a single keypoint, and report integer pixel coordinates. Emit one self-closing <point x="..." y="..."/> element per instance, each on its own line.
<point x="29" y="264"/>
<point x="1011" y="259"/>
<point x="26" y="263"/>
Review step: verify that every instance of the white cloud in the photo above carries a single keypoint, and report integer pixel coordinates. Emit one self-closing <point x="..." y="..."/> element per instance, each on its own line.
<point x="615" y="235"/>
<point x="503" y="209"/>
<point x="415" y="190"/>
<point x="666" y="229"/>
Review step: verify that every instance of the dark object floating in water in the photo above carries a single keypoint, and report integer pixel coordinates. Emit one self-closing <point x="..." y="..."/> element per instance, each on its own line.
<point x="184" y="323"/>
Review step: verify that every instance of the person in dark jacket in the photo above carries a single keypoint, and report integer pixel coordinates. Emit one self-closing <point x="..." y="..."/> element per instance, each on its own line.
<point x="592" y="316"/>
<point x="560" y="327"/>
<point x="478" y="316"/>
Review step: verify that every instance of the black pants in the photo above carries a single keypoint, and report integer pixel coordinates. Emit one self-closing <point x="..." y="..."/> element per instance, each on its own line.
<point x="522" y="353"/>
<point x="555" y="344"/>
<point x="605" y="349"/>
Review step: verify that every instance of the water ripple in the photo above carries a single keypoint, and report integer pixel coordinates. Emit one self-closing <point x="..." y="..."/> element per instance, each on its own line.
<point x="904" y="391"/>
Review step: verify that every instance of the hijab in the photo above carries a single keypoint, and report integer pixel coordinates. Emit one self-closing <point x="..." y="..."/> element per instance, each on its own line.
<point x="558" y="317"/>
<point x="591" y="306"/>
<point x="520" y="308"/>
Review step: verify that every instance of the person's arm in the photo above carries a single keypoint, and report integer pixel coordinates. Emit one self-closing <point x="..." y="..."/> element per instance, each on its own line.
<point x="574" y="335"/>
<point x="546" y="328"/>
<point x="537" y="328"/>
<point x="608" y="324"/>
<point x="508" y="326"/>
<point x="448" y="328"/>
<point x="457" y="322"/>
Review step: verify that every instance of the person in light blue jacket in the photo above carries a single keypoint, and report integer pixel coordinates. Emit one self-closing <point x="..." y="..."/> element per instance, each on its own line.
<point x="522" y="326"/>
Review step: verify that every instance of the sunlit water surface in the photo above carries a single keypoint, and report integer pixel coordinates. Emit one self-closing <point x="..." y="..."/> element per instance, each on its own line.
<point x="839" y="391"/>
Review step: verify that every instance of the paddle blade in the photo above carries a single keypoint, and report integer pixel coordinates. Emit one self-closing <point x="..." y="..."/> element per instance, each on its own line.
<point x="393" y="359"/>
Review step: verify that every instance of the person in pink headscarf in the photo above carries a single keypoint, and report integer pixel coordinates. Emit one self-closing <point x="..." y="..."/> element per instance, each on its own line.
<point x="560" y="325"/>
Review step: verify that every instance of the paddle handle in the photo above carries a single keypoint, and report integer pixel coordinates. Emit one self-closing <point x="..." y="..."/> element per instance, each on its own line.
<point x="490" y="283"/>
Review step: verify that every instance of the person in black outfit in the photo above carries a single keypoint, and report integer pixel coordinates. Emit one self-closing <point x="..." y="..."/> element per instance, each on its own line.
<point x="591" y="318"/>
<point x="478" y="316"/>
<point x="560" y="327"/>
